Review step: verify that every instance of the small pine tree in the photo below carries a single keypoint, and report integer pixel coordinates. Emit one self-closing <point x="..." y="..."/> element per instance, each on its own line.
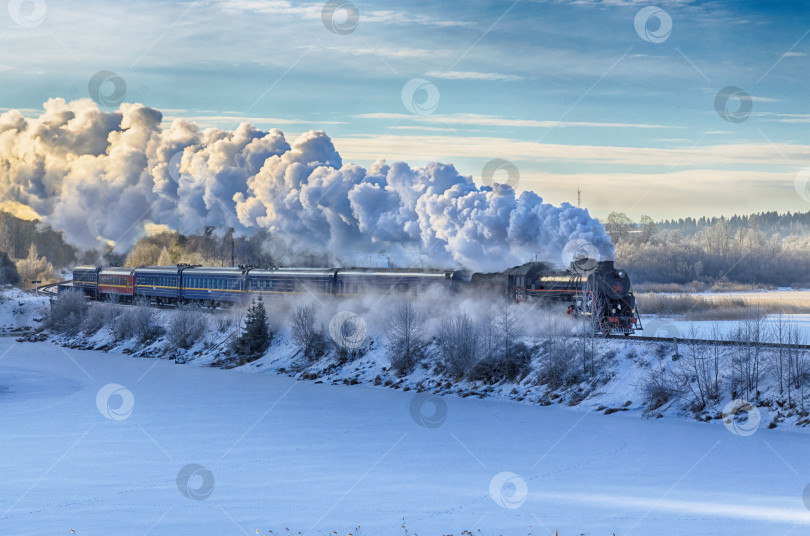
<point x="256" y="336"/>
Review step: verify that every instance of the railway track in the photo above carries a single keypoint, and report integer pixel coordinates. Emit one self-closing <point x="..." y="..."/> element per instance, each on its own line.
<point x="48" y="290"/>
<point x="761" y="344"/>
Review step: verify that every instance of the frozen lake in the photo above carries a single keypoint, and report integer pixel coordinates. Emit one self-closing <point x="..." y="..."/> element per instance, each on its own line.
<point x="104" y="444"/>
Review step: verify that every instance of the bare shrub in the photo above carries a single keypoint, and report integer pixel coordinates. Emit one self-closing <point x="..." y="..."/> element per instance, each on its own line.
<point x="100" y="315"/>
<point x="405" y="338"/>
<point x="559" y="366"/>
<point x="138" y="321"/>
<point x="498" y="368"/>
<point x="307" y="335"/>
<point x="459" y="344"/>
<point x="658" y="387"/>
<point x="67" y="313"/>
<point x="503" y="357"/>
<point x="186" y="326"/>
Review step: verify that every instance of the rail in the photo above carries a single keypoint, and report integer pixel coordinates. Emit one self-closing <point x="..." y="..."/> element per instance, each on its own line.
<point x="718" y="342"/>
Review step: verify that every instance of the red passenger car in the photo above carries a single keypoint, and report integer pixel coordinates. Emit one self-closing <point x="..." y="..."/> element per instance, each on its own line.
<point x="117" y="284"/>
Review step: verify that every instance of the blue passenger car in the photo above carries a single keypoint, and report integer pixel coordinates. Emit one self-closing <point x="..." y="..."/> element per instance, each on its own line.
<point x="214" y="284"/>
<point x="414" y="281"/>
<point x="318" y="281"/>
<point x="159" y="283"/>
<point x="85" y="278"/>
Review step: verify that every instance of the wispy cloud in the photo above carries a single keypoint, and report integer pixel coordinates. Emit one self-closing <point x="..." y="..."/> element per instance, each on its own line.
<point x="472" y="75"/>
<point x="784" y="118"/>
<point x="493" y="121"/>
<point x="312" y="10"/>
<point x="418" y="148"/>
<point x="229" y="120"/>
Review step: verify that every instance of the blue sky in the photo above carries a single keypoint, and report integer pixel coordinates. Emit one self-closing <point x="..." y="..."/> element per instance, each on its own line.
<point x="568" y="91"/>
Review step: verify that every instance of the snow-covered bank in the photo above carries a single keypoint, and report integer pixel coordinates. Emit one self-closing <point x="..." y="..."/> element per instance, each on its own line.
<point x="274" y="452"/>
<point x="595" y="375"/>
<point x="20" y="311"/>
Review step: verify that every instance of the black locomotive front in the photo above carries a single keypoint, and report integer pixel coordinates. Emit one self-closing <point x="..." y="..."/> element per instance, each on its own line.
<point x="589" y="289"/>
<point x="613" y="297"/>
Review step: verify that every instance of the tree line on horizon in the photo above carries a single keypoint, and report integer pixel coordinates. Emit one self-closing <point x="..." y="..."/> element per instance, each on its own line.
<point x="754" y="249"/>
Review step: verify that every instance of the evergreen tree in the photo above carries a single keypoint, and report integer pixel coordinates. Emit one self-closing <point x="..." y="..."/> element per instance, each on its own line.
<point x="256" y="336"/>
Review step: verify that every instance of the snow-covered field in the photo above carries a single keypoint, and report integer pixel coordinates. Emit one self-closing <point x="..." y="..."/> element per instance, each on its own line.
<point x="273" y="452"/>
<point x="676" y="326"/>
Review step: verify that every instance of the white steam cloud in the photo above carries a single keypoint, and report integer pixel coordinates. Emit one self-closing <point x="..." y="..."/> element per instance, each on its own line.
<point x="98" y="176"/>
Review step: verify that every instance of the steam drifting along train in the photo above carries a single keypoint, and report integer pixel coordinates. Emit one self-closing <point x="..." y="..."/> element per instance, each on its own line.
<point x="589" y="289"/>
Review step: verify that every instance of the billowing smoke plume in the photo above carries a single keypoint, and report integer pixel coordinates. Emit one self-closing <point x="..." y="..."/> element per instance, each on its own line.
<point x="98" y="176"/>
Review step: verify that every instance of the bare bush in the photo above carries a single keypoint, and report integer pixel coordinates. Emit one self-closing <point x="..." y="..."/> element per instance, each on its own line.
<point x="307" y="334"/>
<point x="503" y="356"/>
<point x="405" y="339"/>
<point x="459" y="344"/>
<point x="100" y="315"/>
<point x="698" y="371"/>
<point x="559" y="366"/>
<point x="186" y="326"/>
<point x="658" y="387"/>
<point x="67" y="313"/>
<point x="138" y="321"/>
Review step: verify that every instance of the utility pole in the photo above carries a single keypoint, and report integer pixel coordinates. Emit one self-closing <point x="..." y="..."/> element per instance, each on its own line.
<point x="579" y="197"/>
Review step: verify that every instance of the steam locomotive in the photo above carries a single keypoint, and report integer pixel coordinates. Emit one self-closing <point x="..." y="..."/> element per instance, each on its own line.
<point x="592" y="290"/>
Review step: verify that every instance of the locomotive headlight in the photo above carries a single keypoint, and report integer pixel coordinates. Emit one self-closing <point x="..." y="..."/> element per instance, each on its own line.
<point x="613" y="311"/>
<point x="620" y="274"/>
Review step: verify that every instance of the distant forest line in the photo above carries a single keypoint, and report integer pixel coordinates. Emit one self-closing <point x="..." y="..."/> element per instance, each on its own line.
<point x="767" y="248"/>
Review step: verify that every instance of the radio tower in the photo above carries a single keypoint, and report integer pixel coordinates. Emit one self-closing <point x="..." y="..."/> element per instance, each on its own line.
<point x="579" y="197"/>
